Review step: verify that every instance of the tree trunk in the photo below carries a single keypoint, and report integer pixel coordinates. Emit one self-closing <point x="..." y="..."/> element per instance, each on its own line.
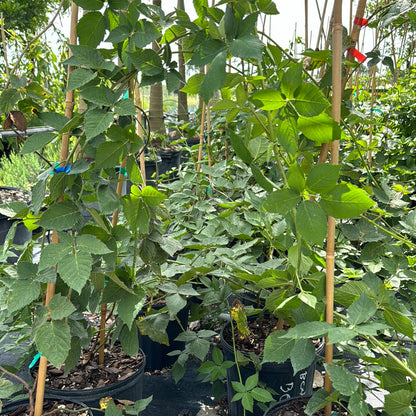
<point x="182" y="96"/>
<point x="156" y="121"/>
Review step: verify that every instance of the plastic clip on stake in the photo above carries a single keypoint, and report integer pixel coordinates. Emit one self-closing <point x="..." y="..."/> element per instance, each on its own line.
<point x="357" y="55"/>
<point x="35" y="360"/>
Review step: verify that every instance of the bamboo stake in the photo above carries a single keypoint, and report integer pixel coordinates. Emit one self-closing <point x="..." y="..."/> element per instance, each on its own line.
<point x="336" y="115"/>
<point x="306" y="25"/>
<point x="50" y="289"/>
<point x="354" y="39"/>
<point x="139" y="116"/>
<point x="201" y="137"/>
<point x="321" y="26"/>
<point x="3" y="40"/>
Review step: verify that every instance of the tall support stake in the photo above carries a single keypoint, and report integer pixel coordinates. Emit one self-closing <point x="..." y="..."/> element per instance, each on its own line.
<point x="201" y="137"/>
<point x="306" y="25"/>
<point x="50" y="289"/>
<point x="336" y="115"/>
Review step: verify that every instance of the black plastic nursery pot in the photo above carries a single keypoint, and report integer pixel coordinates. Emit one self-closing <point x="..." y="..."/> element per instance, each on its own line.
<point x="19" y="407"/>
<point x="130" y="388"/>
<point x="157" y="354"/>
<point x="278" y="377"/>
<point x="171" y="159"/>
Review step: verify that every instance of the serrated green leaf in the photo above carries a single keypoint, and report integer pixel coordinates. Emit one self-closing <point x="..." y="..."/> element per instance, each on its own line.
<point x="175" y="303"/>
<point x="322" y="178"/>
<point x="155" y="327"/>
<point x="320" y="129"/>
<point x="22" y="293"/>
<point x="125" y="108"/>
<point x="37" y="141"/>
<point x="110" y="154"/>
<point x="277" y="348"/>
<point x="108" y="199"/>
<point x="91" y="29"/>
<point x="311" y="222"/>
<point x="346" y="201"/>
<point x="214" y="78"/>
<point x="261" y="395"/>
<point x="129" y="339"/>
<point x="145" y="33"/>
<point x="398" y="402"/>
<point x="97" y="121"/>
<point x="361" y="310"/>
<point x="247" y="47"/>
<point x="100" y="95"/>
<point x="38" y="194"/>
<point x="302" y="355"/>
<point x="341" y="334"/>
<point x="269" y="99"/>
<point x="357" y="405"/>
<point x="52" y="254"/>
<point x="60" y="307"/>
<point x="342" y="379"/>
<point x="53" y="340"/>
<point x="281" y="201"/>
<point x="313" y="329"/>
<point x="147" y="61"/>
<point x="240" y="149"/>
<point x="90" y="57"/>
<point x="91" y="244"/>
<point x="309" y="100"/>
<point x="75" y="269"/>
<point x="152" y="197"/>
<point x="318" y="401"/>
<point x="60" y="216"/>
<point x="78" y="78"/>
<point x="399" y="322"/>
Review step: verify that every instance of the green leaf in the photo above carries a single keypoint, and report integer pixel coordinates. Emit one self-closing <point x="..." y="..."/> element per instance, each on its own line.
<point x="119" y="34"/>
<point x="102" y="96"/>
<point x="8" y="100"/>
<point x="38" y="194"/>
<point x="87" y="56"/>
<point x="37" y="141"/>
<point x="97" y="121"/>
<point x="129" y="339"/>
<point x="357" y="405"/>
<point x="91" y="29"/>
<point x="90" y="4"/>
<point x="264" y="182"/>
<point x="60" y="216"/>
<point x="200" y="348"/>
<point x="147" y="61"/>
<point x="194" y="84"/>
<point x="75" y="269"/>
<point x="53" y="340"/>
<point x="361" y="310"/>
<point x="277" y="348"/>
<point x="108" y="199"/>
<point x="145" y="33"/>
<point x="346" y="201"/>
<point x="281" y="201"/>
<point x="214" y="78"/>
<point x="247" y="402"/>
<point x="286" y="133"/>
<point x="224" y="105"/>
<point x="7" y="389"/>
<point x="342" y="379"/>
<point x="295" y="178"/>
<point x="51" y="254"/>
<point x="110" y="154"/>
<point x="130" y="306"/>
<point x="252" y="381"/>
<point x="261" y="395"/>
<point x="319" y="129"/>
<point x="155" y="327"/>
<point x="318" y="401"/>
<point x="309" y="100"/>
<point x="125" y="107"/>
<point x="322" y="178"/>
<point x="313" y="329"/>
<point x="22" y="293"/>
<point x="175" y="303"/>
<point x="398" y="402"/>
<point x="79" y="77"/>
<point x="60" y="307"/>
<point x="302" y="355"/>
<point x="240" y="149"/>
<point x="291" y="80"/>
<point x="247" y="47"/>
<point x="311" y="222"/>
<point x="91" y="244"/>
<point x="341" y="334"/>
<point x="152" y="197"/>
<point x="399" y="322"/>
<point x="269" y="99"/>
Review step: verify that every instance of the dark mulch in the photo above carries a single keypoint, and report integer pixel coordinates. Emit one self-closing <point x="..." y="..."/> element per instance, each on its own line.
<point x="259" y="331"/>
<point x="61" y="408"/>
<point x="89" y="374"/>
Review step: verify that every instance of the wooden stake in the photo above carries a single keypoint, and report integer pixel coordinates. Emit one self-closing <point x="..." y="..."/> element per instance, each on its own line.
<point x="201" y="137"/>
<point x="337" y="89"/>
<point x="50" y="289"/>
<point x="306" y="25"/>
<point x="139" y="116"/>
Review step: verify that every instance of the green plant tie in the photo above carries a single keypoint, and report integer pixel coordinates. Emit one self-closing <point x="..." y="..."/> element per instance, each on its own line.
<point x="123" y="171"/>
<point x="35" y="360"/>
<point x="106" y="279"/>
<point x="376" y="110"/>
<point x="207" y="133"/>
<point x="208" y="190"/>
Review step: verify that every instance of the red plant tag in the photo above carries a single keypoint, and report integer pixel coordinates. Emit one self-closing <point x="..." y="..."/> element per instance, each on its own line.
<point x="357" y="55"/>
<point x="360" y="21"/>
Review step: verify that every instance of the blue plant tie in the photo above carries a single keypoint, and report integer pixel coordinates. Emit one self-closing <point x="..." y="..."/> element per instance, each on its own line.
<point x="208" y="190"/>
<point x="126" y="95"/>
<point x="207" y="133"/>
<point x="376" y="110"/>
<point x="106" y="279"/>
<point x="123" y="171"/>
<point x="35" y="360"/>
